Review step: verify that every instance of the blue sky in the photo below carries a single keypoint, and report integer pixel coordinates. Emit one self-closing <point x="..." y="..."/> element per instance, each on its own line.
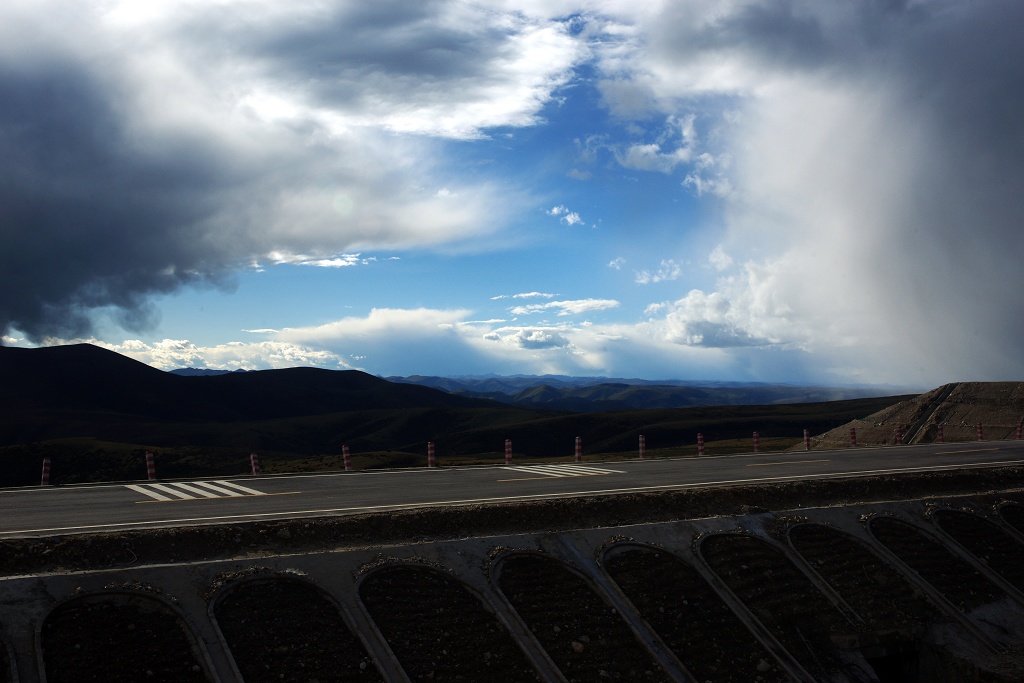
<point x="784" y="191"/>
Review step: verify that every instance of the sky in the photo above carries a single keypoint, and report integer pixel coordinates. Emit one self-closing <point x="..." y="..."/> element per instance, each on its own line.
<point x="745" y="190"/>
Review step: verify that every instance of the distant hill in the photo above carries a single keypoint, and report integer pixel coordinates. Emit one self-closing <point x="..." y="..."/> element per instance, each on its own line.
<point x="100" y="386"/>
<point x="600" y="394"/>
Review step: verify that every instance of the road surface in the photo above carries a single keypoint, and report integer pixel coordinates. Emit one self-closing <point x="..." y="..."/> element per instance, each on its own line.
<point x="62" y="510"/>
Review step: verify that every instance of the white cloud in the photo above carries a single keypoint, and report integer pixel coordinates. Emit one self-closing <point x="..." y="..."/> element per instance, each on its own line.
<point x="337" y="261"/>
<point x="617" y="263"/>
<point x="667" y="271"/>
<point x="564" y="215"/>
<point x="169" y="354"/>
<point x="448" y="342"/>
<point x="421" y="322"/>
<point x="718" y="259"/>
<point x="541" y="339"/>
<point x="569" y="307"/>
<point x="533" y="295"/>
<point x="524" y="295"/>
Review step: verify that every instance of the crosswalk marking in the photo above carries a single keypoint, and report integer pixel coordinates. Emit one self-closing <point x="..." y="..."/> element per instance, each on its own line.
<point x="193" y="490"/>
<point x="173" y="492"/>
<point x="243" y="489"/>
<point x="563" y="470"/>
<point x="151" y="494"/>
<point x="218" y="489"/>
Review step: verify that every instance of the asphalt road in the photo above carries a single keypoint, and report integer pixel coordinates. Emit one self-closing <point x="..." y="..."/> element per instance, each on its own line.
<point x="48" y="511"/>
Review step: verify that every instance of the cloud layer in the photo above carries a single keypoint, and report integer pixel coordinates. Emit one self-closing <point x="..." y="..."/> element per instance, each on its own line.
<point x="875" y="160"/>
<point x="857" y="165"/>
<point x="148" y="148"/>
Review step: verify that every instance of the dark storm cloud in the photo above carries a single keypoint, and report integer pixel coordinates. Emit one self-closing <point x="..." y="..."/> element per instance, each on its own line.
<point x="90" y="215"/>
<point x="145" y="148"/>
<point x="778" y="34"/>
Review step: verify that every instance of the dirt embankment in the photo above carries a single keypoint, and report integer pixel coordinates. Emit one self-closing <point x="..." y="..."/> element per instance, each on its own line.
<point x="951" y="412"/>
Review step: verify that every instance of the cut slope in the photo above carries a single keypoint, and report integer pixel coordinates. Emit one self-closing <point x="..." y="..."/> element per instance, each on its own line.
<point x="959" y="408"/>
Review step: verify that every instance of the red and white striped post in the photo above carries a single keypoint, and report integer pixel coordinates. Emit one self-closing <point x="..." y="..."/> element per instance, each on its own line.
<point x="643" y="446"/>
<point x="757" y="442"/>
<point x="700" y="444"/>
<point x="1020" y="428"/>
<point x="853" y="436"/>
<point x="45" y="481"/>
<point x="981" y="432"/>
<point x="346" y="459"/>
<point x="431" y="458"/>
<point x="899" y="435"/>
<point x="508" y="451"/>
<point x="150" y="466"/>
<point x="254" y="462"/>
<point x="807" y="440"/>
<point x="579" y="449"/>
<point x="941" y="437"/>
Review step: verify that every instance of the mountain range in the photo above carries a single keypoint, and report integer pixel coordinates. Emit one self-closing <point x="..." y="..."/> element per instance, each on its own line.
<point x="97" y="411"/>
<point x="601" y="394"/>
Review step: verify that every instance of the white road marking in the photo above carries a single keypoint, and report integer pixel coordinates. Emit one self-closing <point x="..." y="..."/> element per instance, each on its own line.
<point x="195" y="489"/>
<point x="243" y="489"/>
<point x="563" y="470"/>
<point x="172" y="491"/>
<point x="218" y="489"/>
<point x="151" y="494"/>
<point x="182" y="490"/>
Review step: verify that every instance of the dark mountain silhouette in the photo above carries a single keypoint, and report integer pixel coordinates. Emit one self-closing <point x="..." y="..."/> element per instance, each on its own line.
<point x="80" y="375"/>
<point x="97" y="385"/>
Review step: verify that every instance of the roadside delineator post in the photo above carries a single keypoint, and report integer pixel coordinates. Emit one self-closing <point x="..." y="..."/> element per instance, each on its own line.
<point x="1020" y="428"/>
<point x="757" y="442"/>
<point x="899" y="435"/>
<point x="853" y="436"/>
<point x="941" y="437"/>
<point x="45" y="481"/>
<point x="700" y="444"/>
<point x="254" y="462"/>
<point x="150" y="466"/>
<point x="643" y="447"/>
<point x="981" y="433"/>
<point x="346" y="459"/>
<point x="508" y="451"/>
<point x="807" y="440"/>
<point x="431" y="458"/>
<point x="579" y="449"/>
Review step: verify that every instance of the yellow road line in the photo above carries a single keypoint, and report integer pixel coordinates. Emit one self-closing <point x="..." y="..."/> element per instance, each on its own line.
<point x="563" y="476"/>
<point x="973" y="450"/>
<point x="185" y="500"/>
<point x="786" y="462"/>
